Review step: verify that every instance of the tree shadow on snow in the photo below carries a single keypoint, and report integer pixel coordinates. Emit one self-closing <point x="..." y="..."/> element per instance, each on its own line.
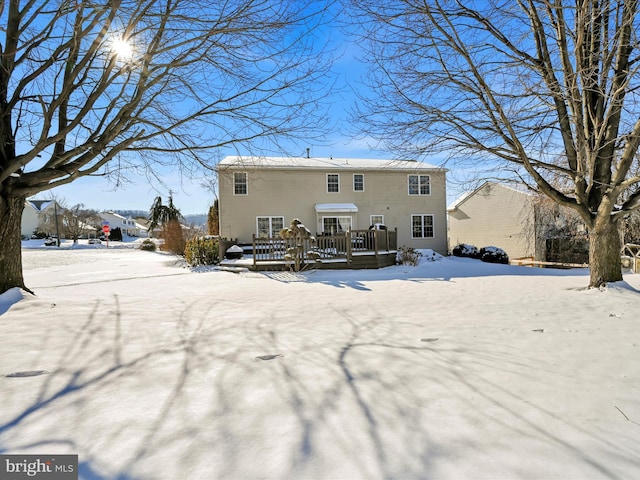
<point x="267" y="395"/>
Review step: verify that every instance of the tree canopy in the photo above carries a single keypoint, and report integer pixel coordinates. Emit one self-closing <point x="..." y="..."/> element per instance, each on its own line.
<point x="95" y="87"/>
<point x="543" y="91"/>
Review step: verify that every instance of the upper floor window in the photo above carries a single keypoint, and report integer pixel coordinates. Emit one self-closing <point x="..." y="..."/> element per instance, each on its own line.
<point x="333" y="182"/>
<point x="419" y="185"/>
<point x="240" y="183"/>
<point x="358" y="182"/>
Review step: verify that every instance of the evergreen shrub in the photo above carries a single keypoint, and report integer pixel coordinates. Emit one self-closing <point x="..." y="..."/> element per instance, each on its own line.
<point x="202" y="251"/>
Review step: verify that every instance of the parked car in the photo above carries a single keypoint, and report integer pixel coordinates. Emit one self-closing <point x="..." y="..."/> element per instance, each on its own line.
<point x="93" y="241"/>
<point x="49" y="242"/>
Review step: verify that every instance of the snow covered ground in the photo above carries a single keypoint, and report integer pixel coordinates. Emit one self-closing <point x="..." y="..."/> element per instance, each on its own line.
<point x="454" y="369"/>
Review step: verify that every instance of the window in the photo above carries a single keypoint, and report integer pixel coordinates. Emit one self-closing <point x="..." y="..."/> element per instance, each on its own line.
<point x="358" y="182"/>
<point x="270" y="226"/>
<point x="240" y="183"/>
<point x="376" y="219"/>
<point x="333" y="225"/>
<point x="421" y="226"/>
<point x="333" y="182"/>
<point x="419" y="185"/>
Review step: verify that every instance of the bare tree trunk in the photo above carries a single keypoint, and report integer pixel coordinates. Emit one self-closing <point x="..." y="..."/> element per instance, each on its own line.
<point x="11" y="209"/>
<point x="604" y="253"/>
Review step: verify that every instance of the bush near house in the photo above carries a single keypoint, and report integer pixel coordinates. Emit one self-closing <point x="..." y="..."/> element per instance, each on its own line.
<point x="465" y="250"/>
<point x="202" y="251"/>
<point x="115" y="235"/>
<point x="493" y="255"/>
<point x="408" y="256"/>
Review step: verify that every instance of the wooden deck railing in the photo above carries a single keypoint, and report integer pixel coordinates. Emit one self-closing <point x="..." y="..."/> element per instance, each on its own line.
<point x="326" y="247"/>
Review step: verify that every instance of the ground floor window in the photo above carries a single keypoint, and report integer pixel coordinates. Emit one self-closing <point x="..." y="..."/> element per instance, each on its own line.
<point x="421" y="226"/>
<point x="270" y="226"/>
<point x="332" y="225"/>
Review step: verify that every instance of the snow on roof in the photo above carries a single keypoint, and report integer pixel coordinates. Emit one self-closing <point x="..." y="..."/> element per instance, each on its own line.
<point x="324" y="163"/>
<point x="39" y="205"/>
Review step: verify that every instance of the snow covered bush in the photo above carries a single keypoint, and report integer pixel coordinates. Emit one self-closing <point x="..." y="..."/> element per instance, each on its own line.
<point x="408" y="256"/>
<point x="493" y="255"/>
<point x="464" y="250"/>
<point x="202" y="251"/>
<point x="148" y="245"/>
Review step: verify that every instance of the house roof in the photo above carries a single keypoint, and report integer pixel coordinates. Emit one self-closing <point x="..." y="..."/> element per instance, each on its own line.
<point x="467" y="195"/>
<point x="354" y="164"/>
<point x="335" y="207"/>
<point x="39" y="205"/>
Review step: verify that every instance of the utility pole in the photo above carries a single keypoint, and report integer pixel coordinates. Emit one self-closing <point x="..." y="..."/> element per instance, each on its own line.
<point x="55" y="212"/>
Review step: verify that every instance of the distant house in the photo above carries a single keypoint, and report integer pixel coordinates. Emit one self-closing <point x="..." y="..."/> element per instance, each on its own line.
<point x="519" y="222"/>
<point x="496" y="215"/>
<point x="128" y="225"/>
<point x="261" y="195"/>
<point x="39" y="216"/>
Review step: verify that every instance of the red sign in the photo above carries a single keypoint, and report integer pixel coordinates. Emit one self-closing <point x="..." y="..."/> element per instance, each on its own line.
<point x="106" y="228"/>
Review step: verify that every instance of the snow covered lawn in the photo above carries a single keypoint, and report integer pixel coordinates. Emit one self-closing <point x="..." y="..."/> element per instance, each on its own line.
<point x="455" y="369"/>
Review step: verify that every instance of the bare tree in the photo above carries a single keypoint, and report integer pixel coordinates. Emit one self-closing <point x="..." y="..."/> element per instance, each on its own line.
<point x="545" y="90"/>
<point x="92" y="87"/>
<point x="78" y="220"/>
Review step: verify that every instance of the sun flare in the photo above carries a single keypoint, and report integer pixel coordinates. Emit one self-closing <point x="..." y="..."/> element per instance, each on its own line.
<point x="122" y="49"/>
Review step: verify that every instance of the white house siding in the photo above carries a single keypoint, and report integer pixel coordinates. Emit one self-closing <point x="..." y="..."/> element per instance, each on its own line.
<point x="494" y="215"/>
<point x="30" y="221"/>
<point x="127" y="224"/>
<point x="293" y="191"/>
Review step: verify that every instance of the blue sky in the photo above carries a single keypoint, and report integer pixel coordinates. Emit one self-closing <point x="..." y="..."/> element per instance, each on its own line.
<point x="191" y="194"/>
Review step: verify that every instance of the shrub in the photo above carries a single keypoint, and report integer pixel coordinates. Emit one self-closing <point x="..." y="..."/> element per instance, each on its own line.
<point x="174" y="241"/>
<point x="148" y="245"/>
<point x="493" y="255"/>
<point x="464" y="250"/>
<point x="408" y="256"/>
<point x="202" y="251"/>
<point x="115" y="235"/>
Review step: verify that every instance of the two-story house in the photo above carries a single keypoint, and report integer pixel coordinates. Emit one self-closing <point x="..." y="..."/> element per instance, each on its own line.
<point x="128" y="224"/>
<point x="39" y="215"/>
<point x="261" y="195"/>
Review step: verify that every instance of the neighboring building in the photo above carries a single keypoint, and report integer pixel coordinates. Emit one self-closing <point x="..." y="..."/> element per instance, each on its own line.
<point x="127" y="224"/>
<point x="261" y="195"/>
<point x="521" y="223"/>
<point x="38" y="215"/>
<point x="495" y="215"/>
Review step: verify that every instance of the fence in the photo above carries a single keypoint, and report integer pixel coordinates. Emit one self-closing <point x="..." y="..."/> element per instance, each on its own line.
<point x="324" y="247"/>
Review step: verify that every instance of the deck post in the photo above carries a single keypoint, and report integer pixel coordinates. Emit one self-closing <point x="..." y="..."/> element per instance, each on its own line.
<point x="375" y="243"/>
<point x="253" y="241"/>
<point x="348" y="242"/>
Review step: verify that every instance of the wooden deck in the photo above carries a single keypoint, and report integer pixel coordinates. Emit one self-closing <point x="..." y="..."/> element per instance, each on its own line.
<point x="354" y="249"/>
